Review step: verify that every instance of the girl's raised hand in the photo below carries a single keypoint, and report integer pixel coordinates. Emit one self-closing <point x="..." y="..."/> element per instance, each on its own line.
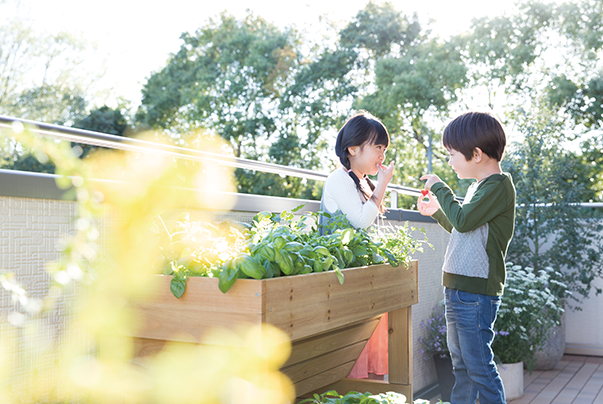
<point x="385" y="174"/>
<point x="429" y="207"/>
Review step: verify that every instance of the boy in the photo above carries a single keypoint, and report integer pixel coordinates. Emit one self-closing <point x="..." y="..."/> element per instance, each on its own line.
<point x="474" y="265"/>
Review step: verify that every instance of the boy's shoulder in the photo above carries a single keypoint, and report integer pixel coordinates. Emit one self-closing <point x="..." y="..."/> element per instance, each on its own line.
<point x="497" y="184"/>
<point x="496" y="179"/>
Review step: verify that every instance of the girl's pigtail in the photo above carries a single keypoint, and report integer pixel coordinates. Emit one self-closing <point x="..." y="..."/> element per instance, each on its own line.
<point x="358" y="186"/>
<point x="382" y="208"/>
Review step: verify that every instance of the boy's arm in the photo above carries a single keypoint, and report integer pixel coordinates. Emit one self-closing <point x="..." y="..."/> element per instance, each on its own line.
<point x="443" y="221"/>
<point x="489" y="201"/>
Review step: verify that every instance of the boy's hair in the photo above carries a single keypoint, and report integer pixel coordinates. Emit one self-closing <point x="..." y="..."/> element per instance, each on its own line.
<point x="476" y="129"/>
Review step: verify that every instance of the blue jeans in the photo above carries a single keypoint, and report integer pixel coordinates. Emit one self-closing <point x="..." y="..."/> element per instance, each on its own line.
<point x="469" y="319"/>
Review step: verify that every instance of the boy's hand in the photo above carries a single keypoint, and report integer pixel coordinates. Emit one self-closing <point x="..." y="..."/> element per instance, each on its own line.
<point x="431" y="179"/>
<point x="429" y="207"/>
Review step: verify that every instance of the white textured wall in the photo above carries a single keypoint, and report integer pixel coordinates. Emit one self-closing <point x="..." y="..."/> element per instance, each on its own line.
<point x="31" y="228"/>
<point x="584" y="329"/>
<point x="431" y="291"/>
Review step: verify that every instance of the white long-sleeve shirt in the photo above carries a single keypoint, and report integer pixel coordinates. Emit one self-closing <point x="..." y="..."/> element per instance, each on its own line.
<point x="340" y="194"/>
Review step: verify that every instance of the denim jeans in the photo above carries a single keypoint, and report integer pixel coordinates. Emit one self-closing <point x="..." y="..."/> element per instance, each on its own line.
<point x="470" y="318"/>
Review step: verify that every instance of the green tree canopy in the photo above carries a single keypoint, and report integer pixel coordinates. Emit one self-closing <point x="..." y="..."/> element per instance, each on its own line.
<point x="226" y="77"/>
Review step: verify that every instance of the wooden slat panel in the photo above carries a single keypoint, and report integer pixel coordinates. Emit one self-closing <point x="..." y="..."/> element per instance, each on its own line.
<point x="145" y="347"/>
<point x="308" y="304"/>
<point x="305" y="349"/>
<point x="323" y="363"/>
<point x="188" y="325"/>
<point x="202" y="294"/>
<point x="400" y="346"/>
<point x="320" y="380"/>
<point x="202" y="306"/>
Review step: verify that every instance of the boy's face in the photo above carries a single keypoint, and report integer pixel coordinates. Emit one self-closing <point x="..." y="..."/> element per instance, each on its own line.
<point x="462" y="167"/>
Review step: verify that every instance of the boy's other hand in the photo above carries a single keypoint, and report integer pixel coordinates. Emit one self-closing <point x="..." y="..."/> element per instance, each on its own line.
<point x="431" y="179"/>
<point x="429" y="207"/>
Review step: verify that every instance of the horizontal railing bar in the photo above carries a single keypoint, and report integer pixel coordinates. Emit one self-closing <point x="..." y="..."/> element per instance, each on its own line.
<point x="83" y="136"/>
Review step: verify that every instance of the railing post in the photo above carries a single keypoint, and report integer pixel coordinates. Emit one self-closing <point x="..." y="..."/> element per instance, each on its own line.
<point x="393" y="199"/>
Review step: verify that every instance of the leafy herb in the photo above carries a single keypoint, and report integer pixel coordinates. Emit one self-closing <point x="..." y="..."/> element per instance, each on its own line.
<point x="275" y="245"/>
<point x="354" y="397"/>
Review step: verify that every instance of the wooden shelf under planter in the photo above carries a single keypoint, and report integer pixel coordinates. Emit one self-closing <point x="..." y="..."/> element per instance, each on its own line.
<point x="328" y="323"/>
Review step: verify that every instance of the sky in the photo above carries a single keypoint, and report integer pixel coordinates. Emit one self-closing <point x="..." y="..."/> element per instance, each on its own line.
<point x="135" y="38"/>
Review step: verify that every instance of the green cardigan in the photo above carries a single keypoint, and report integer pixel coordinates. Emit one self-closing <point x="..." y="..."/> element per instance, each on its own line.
<point x="486" y="220"/>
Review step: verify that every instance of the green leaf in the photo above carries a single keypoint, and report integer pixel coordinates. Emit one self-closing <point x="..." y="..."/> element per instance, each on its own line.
<point x="177" y="286"/>
<point x="226" y="279"/>
<point x="340" y="276"/>
<point x="359" y="250"/>
<point x="322" y="251"/>
<point x="378" y="259"/>
<point x="293" y="246"/>
<point x="261" y="216"/>
<point x="298" y="207"/>
<point x="285" y="262"/>
<point x="347" y="235"/>
<point x="250" y="267"/>
<point x="268" y="252"/>
<point x="390" y="258"/>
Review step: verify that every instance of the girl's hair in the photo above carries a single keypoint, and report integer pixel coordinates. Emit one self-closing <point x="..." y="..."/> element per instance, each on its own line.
<point x="362" y="128"/>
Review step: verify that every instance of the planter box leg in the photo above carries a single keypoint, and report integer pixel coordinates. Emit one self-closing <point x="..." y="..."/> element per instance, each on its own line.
<point x="400" y="361"/>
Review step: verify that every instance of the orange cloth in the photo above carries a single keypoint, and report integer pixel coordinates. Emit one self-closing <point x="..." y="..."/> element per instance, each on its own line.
<point x="373" y="358"/>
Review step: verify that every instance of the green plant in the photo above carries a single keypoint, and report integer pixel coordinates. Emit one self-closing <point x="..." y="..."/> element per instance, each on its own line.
<point x="528" y="310"/>
<point x="434" y="342"/>
<point x="273" y="245"/>
<point x="400" y="242"/>
<point x="354" y="397"/>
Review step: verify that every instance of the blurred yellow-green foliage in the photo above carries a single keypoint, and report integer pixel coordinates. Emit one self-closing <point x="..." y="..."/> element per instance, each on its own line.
<point x="93" y="359"/>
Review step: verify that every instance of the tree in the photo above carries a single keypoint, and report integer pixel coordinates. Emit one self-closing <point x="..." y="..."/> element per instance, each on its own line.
<point x="410" y="80"/>
<point x="501" y="50"/>
<point x="550" y="229"/>
<point x="40" y="79"/>
<point x="226" y="77"/>
<point x="112" y="121"/>
<point x="39" y="74"/>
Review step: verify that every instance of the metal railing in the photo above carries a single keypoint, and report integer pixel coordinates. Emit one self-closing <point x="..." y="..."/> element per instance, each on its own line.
<point x="144" y="146"/>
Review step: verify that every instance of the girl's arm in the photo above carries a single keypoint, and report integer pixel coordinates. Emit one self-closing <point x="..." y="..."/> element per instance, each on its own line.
<point x="384" y="176"/>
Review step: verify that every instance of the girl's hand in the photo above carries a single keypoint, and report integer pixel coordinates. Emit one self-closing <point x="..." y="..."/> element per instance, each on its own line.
<point x="385" y="174"/>
<point x="429" y="207"/>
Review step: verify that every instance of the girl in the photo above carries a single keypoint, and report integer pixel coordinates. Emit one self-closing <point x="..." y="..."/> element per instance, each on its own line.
<point x="361" y="146"/>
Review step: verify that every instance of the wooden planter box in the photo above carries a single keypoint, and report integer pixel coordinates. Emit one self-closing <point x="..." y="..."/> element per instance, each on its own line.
<point x="328" y="323"/>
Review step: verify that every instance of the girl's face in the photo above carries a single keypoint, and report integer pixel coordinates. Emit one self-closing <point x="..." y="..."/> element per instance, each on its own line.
<point x="367" y="158"/>
<point x="462" y="167"/>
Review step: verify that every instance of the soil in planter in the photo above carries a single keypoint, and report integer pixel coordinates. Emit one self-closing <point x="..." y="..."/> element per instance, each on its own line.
<point x="445" y="375"/>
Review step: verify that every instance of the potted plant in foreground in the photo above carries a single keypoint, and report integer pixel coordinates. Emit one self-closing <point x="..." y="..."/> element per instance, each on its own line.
<point x="326" y="292"/>
<point x="275" y="245"/>
<point x="529" y="309"/>
<point x="435" y="347"/>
